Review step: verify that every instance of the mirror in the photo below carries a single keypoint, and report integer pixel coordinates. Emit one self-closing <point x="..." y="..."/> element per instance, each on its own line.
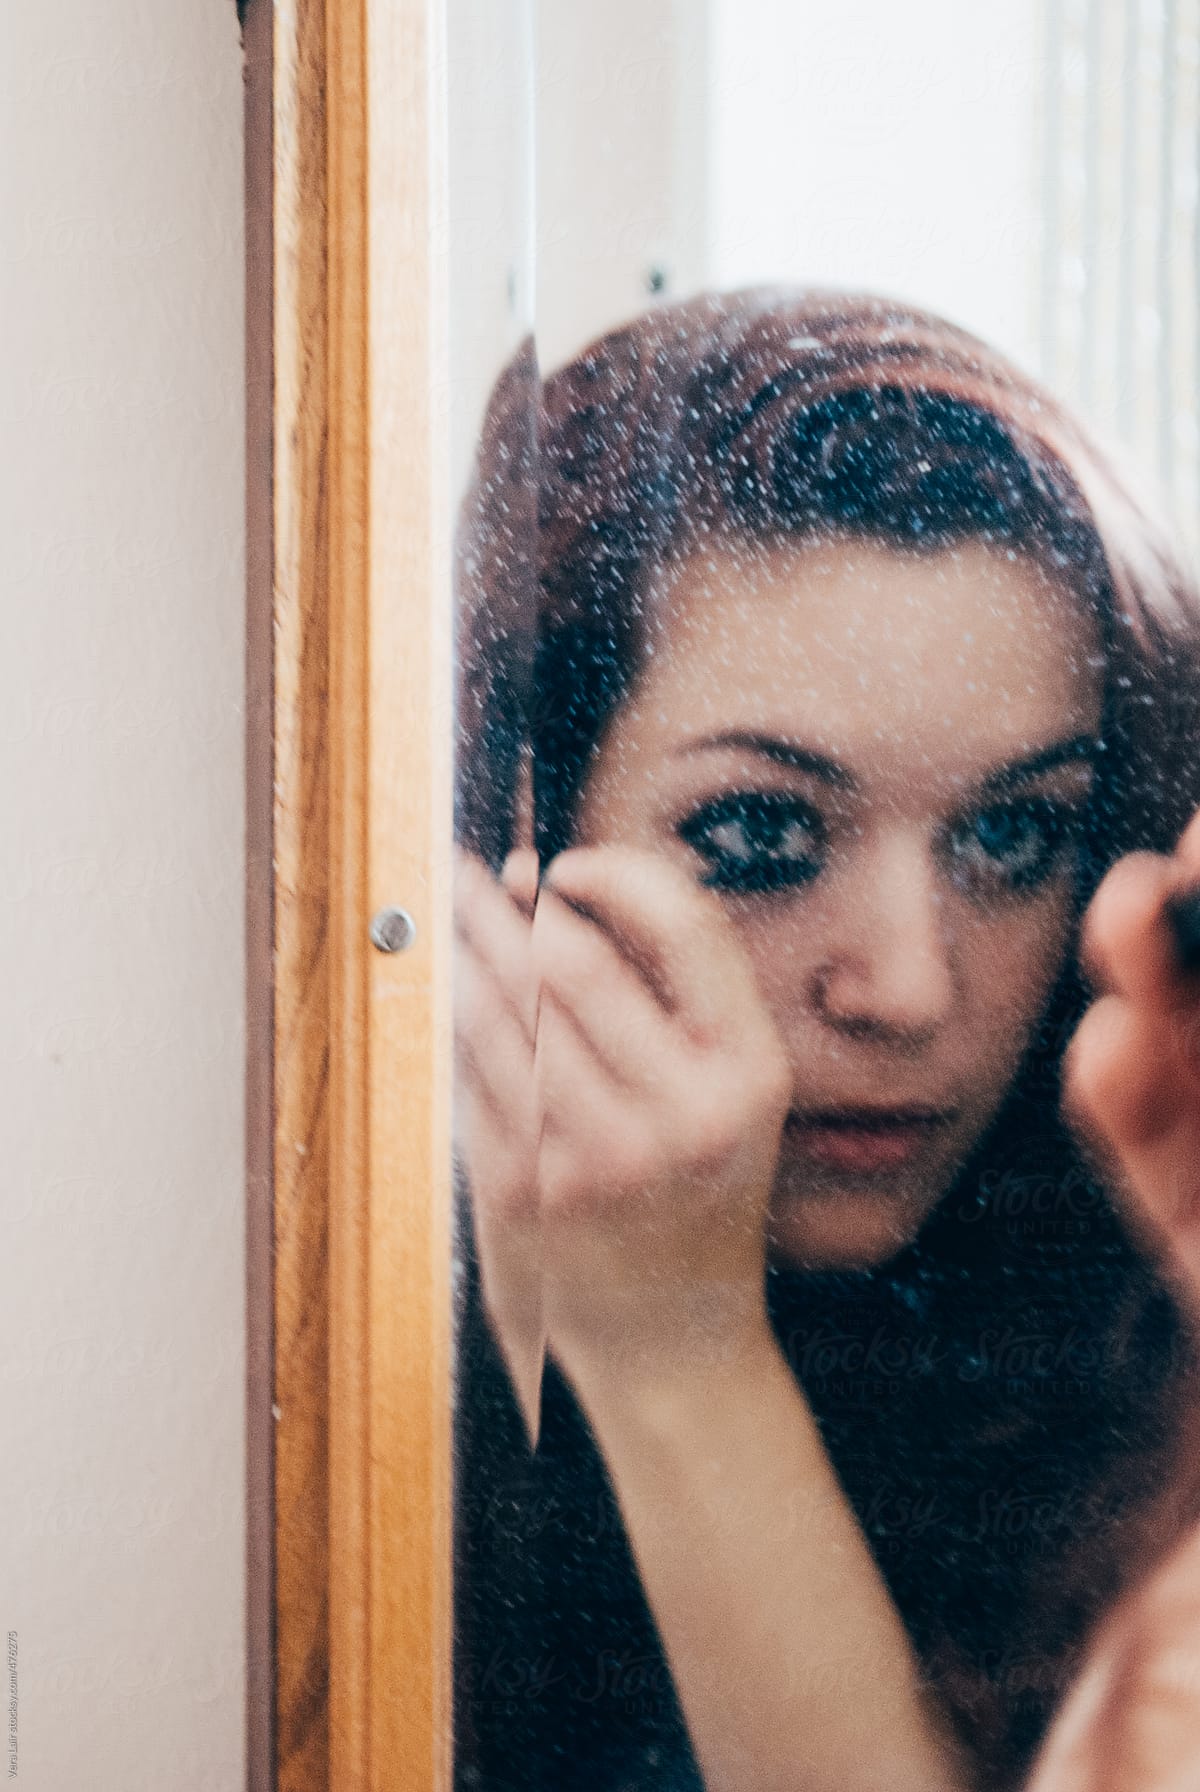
<point x="818" y="656"/>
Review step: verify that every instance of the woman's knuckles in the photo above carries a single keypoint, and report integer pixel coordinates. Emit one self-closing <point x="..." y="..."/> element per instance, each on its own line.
<point x="625" y="882"/>
<point x="627" y="872"/>
<point x="569" y="954"/>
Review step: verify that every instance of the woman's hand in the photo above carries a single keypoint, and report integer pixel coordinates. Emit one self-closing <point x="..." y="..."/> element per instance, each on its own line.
<point x="621" y="1095"/>
<point x="662" y="1087"/>
<point x="1132" y="1721"/>
<point x="1133" y="1068"/>
<point x="497" y="1123"/>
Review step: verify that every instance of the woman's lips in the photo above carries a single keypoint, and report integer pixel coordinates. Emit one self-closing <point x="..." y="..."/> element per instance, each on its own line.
<point x="866" y="1140"/>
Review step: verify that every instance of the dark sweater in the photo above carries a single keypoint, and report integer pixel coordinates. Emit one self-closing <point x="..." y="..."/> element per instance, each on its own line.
<point x="995" y="1402"/>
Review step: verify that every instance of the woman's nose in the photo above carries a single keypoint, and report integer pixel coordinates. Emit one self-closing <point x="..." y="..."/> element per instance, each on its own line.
<point x="887" y="970"/>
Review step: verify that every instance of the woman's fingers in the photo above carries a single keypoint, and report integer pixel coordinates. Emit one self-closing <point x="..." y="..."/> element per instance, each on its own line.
<point x="496" y="1119"/>
<point x="494" y="1052"/>
<point x="1119" y="1073"/>
<point x="489" y="921"/>
<point x="1126" y="945"/>
<point x="610" y="1004"/>
<point x="1125" y="1084"/>
<point x="675" y="934"/>
<point x="519" y="876"/>
<point x="578" y="1103"/>
<point x="1132" y="1074"/>
<point x="505" y="966"/>
<point x="1131" y="1721"/>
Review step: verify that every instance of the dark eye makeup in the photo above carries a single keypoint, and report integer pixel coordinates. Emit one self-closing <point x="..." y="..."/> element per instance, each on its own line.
<point x="756" y="840"/>
<point x="1013" y="845"/>
<point x="759" y="841"/>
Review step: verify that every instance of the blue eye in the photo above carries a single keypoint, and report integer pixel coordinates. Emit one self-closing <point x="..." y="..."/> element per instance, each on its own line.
<point x="1015" y="845"/>
<point x="756" y="840"/>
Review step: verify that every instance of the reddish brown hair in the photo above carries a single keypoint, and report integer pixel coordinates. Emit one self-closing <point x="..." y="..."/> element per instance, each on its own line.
<point x="769" y="412"/>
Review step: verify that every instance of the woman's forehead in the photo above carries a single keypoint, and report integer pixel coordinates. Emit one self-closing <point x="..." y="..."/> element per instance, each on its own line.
<point x="879" y="612"/>
<point x="818" y="576"/>
<point x="961" y="657"/>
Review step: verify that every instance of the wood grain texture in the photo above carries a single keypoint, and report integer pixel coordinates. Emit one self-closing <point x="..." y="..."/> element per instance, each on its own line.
<point x="363" y="743"/>
<point x="260" y="880"/>
<point x="301" y="827"/>
<point x="409" y="820"/>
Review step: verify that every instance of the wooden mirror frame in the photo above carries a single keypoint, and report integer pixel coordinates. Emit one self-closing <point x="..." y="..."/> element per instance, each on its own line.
<point x="349" y="754"/>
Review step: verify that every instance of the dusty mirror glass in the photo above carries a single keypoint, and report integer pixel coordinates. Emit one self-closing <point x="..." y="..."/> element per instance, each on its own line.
<point x="818" y="656"/>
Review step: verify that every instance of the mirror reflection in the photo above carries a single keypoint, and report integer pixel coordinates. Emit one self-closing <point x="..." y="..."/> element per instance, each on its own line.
<point x="822" y="1377"/>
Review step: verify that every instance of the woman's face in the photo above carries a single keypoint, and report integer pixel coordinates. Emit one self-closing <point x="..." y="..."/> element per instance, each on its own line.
<point x="881" y="760"/>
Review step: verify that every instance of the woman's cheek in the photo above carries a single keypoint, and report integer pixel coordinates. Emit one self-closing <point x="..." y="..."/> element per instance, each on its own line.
<point x="1016" y="969"/>
<point x="782" y="957"/>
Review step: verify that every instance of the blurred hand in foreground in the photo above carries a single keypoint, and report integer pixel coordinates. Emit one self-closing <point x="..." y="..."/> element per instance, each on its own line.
<point x="1132" y="1721"/>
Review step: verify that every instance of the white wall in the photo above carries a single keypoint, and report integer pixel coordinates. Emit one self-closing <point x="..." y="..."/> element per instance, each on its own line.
<point x="622" y="161"/>
<point x="121" y="877"/>
<point x="727" y="142"/>
<point x="489" y="100"/>
<point x="577" y="164"/>
<point x="890" y="147"/>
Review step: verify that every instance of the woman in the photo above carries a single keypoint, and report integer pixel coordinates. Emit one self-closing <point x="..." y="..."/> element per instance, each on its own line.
<point x="843" y="668"/>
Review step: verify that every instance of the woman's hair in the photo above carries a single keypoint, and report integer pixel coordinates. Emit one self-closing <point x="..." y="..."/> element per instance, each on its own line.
<point x="764" y="414"/>
<point x="1039" y="1364"/>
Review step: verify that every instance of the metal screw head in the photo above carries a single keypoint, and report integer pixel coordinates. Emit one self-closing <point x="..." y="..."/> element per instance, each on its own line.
<point x="393" y="930"/>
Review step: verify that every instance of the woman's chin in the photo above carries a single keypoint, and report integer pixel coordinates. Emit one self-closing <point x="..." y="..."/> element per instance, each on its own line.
<point x="844" y="1227"/>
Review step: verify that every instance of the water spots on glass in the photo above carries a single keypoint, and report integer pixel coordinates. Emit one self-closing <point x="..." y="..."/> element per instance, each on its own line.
<point x="816" y="667"/>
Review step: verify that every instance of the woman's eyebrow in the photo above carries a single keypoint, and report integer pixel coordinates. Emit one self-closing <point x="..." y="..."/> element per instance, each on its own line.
<point x="1079" y="747"/>
<point x="783" y="752"/>
<point x="1046" y="759"/>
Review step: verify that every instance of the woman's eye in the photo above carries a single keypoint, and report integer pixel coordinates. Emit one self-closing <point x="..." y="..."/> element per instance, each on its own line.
<point x="756" y="840"/>
<point x="1014" y="845"/>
